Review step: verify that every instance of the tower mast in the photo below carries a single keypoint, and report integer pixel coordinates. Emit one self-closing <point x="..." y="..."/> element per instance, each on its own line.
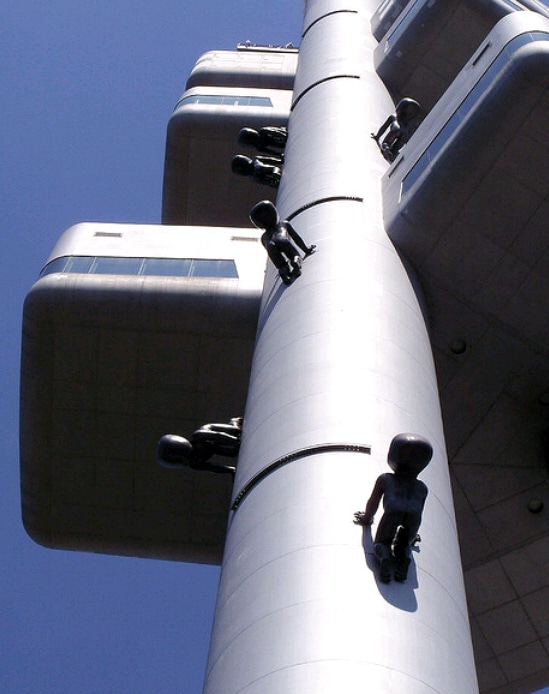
<point x="342" y="364"/>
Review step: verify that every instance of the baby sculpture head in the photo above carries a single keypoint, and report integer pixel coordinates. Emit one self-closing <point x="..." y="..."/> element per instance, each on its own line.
<point x="406" y="109"/>
<point x="248" y="137"/>
<point x="409" y="454"/>
<point x="264" y="215"/>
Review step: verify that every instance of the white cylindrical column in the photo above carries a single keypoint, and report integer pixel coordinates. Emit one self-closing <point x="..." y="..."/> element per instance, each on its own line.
<point x="342" y="364"/>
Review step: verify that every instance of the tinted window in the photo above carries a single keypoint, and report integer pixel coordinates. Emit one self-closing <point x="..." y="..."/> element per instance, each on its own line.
<point x="213" y="268"/>
<point x="160" y="267"/>
<point x="225" y="100"/>
<point x="167" y="266"/>
<point x="116" y="266"/>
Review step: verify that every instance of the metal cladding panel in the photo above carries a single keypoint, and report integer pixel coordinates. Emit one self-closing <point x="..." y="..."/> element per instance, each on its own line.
<point x="466" y="201"/>
<point x="493" y="103"/>
<point x="342" y="356"/>
<point x="334" y="64"/>
<point x="420" y="56"/>
<point x="386" y="15"/>
<point x="202" y="139"/>
<point x="246" y="67"/>
<point x="318" y="181"/>
<point x="315" y="10"/>
<point x="331" y="358"/>
<point x="317" y="103"/>
<point x="536" y="6"/>
<point x="111" y="363"/>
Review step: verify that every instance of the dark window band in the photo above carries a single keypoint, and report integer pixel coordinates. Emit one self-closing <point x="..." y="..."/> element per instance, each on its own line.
<point x="159" y="267"/>
<point x="225" y="100"/>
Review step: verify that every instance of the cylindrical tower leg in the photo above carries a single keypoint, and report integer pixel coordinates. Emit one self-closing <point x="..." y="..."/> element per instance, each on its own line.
<point x="342" y="364"/>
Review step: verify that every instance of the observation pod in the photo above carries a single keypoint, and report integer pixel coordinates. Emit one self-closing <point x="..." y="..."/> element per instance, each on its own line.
<point x="121" y="337"/>
<point x="226" y="91"/>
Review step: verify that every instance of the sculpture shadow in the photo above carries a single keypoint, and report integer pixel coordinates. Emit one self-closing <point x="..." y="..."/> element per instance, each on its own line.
<point x="274" y="295"/>
<point x="400" y="595"/>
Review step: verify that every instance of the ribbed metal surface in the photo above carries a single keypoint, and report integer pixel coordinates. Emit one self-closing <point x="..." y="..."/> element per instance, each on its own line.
<point x="341" y="355"/>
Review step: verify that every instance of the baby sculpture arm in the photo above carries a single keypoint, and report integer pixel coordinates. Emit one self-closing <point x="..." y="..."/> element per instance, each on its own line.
<point x="366" y="517"/>
<point x="296" y="238"/>
<point x="383" y="128"/>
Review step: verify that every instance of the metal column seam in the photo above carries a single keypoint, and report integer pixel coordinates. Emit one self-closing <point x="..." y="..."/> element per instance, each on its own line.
<point x="322" y="81"/>
<point x="296" y="455"/>
<point x="328" y="14"/>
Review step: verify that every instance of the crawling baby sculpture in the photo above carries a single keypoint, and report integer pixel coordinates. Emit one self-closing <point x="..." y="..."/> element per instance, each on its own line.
<point x="403" y="501"/>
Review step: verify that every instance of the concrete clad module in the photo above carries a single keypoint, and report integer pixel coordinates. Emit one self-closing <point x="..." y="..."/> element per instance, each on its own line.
<point x="409" y="159"/>
<point x="226" y="91"/>
<point x="120" y="337"/>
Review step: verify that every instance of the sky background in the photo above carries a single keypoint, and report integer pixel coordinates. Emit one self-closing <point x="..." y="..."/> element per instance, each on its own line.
<point x="88" y="88"/>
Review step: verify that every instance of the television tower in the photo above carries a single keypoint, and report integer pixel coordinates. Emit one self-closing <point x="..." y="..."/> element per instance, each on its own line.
<point x="415" y="169"/>
<point x="342" y="364"/>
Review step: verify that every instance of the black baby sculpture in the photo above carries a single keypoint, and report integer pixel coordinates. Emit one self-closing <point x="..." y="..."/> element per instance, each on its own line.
<point x="269" y="140"/>
<point x="279" y="239"/>
<point x="403" y="501"/>
<point x="400" y="128"/>
<point x="210" y="439"/>
<point x="264" y="170"/>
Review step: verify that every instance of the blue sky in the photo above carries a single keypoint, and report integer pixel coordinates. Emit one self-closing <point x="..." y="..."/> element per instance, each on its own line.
<point x="88" y="89"/>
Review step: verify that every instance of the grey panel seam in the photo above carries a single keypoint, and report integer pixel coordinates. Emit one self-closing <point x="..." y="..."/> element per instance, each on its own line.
<point x="322" y="81"/>
<point x="321" y="201"/>
<point x="328" y="14"/>
<point x="296" y="455"/>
